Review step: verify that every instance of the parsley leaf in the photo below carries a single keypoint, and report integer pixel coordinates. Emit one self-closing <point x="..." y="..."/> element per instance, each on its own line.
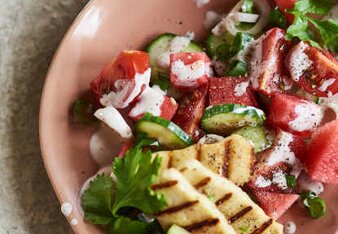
<point x="301" y="27"/>
<point x="321" y="7"/>
<point x="135" y="172"/>
<point x="97" y="200"/>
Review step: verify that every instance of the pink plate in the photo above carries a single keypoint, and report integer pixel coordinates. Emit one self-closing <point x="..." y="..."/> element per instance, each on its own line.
<point x="104" y="28"/>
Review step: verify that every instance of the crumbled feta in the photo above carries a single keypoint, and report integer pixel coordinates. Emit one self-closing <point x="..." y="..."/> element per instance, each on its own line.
<point x="300" y="62"/>
<point x="261" y="182"/>
<point x="308" y="117"/>
<point x="290" y="227"/>
<point x="150" y="101"/>
<point x="178" y="44"/>
<point x="122" y="97"/>
<point x="110" y="116"/>
<point x="159" y="90"/>
<point x="163" y="60"/>
<point x="279" y="179"/>
<point x="66" y="209"/>
<point x="240" y="89"/>
<point x="201" y="3"/>
<point x="187" y="75"/>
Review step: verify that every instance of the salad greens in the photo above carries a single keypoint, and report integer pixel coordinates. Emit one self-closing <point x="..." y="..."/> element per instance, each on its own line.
<point x="305" y="23"/>
<point x="132" y="189"/>
<point x="277" y="19"/>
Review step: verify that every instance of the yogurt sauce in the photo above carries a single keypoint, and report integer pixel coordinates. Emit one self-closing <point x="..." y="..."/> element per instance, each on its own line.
<point x="290" y="227"/>
<point x="66" y="209"/>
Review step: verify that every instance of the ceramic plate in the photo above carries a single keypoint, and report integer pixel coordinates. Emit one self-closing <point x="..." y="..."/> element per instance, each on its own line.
<point x="104" y="28"/>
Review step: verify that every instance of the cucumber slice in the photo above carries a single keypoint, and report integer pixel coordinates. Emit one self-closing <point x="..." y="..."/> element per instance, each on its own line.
<point x="161" y="45"/>
<point x="213" y="43"/>
<point x="224" y="119"/>
<point x="165" y="132"/>
<point x="174" y="229"/>
<point x="256" y="135"/>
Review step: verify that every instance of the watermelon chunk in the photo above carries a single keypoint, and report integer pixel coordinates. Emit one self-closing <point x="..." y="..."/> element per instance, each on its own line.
<point x="274" y="204"/>
<point x="190" y="112"/>
<point x="322" y="159"/>
<point x="231" y="90"/>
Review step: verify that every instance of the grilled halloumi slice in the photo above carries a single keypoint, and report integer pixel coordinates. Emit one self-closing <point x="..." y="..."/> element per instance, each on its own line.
<point x="242" y="213"/>
<point x="187" y="207"/>
<point x="233" y="158"/>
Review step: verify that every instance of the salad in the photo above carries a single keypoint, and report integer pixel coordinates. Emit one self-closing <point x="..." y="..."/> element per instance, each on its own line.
<point x="222" y="135"/>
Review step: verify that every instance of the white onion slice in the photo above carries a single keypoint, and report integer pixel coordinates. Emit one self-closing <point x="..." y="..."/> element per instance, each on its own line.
<point x="246" y="17"/>
<point x="232" y="19"/>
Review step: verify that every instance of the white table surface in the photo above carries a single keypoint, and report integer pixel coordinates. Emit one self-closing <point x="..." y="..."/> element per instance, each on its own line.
<point x="30" y="31"/>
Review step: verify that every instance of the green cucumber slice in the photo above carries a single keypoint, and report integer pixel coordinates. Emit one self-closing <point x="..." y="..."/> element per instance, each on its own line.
<point x="214" y="43"/>
<point x="256" y="135"/>
<point x="161" y="45"/>
<point x="224" y="119"/>
<point x="165" y="132"/>
<point x="174" y="229"/>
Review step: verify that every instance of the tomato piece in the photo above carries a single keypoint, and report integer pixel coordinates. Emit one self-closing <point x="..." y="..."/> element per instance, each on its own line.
<point x="316" y="71"/>
<point x="124" y="148"/>
<point x="231" y="90"/>
<point x="121" y="81"/>
<point x="279" y="160"/>
<point x="190" y="112"/>
<point x="189" y="70"/>
<point x="286" y="5"/>
<point x="295" y="115"/>
<point x="274" y="204"/>
<point x="322" y="159"/>
<point x="154" y="102"/>
<point x="267" y="73"/>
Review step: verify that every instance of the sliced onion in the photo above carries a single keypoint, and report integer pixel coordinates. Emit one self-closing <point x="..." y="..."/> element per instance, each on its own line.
<point x="232" y="19"/>
<point x="246" y="17"/>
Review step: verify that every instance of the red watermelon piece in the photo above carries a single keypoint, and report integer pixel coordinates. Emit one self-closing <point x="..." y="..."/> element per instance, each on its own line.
<point x="322" y="159"/>
<point x="190" y="112"/>
<point x="274" y="204"/>
<point x="231" y="90"/>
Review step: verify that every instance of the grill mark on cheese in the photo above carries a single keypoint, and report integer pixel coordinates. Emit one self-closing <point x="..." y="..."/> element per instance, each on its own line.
<point x="225" y="171"/>
<point x="240" y="214"/>
<point x="263" y="227"/>
<point x="205" y="223"/>
<point x="178" y="208"/>
<point x="170" y="159"/>
<point x="183" y="169"/>
<point x="167" y="184"/>
<point x="202" y="182"/>
<point x="198" y="152"/>
<point x="222" y="200"/>
<point x="252" y="156"/>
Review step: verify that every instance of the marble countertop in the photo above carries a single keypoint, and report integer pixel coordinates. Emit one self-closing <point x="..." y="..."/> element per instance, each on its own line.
<point x="30" y="31"/>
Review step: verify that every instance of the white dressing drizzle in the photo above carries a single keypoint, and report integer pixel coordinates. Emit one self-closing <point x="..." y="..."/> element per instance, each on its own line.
<point x="290" y="227"/>
<point x="187" y="75"/>
<point x="66" y="209"/>
<point x="326" y="84"/>
<point x="306" y="184"/>
<point x="149" y="101"/>
<point x="122" y="98"/>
